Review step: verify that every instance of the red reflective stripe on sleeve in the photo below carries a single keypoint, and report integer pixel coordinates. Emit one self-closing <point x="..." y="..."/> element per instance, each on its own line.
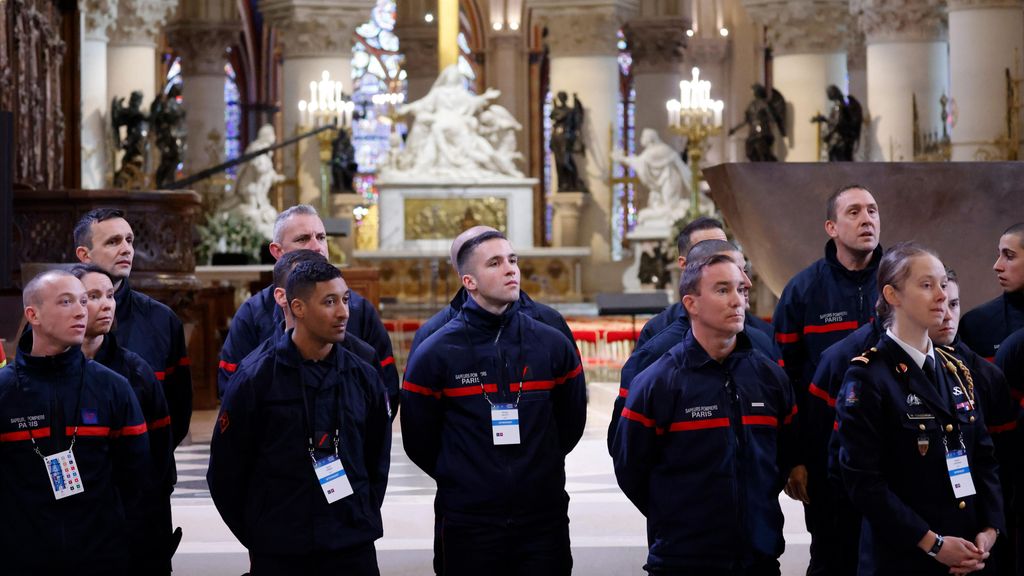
<point x="572" y="374"/>
<point x="813" y="390"/>
<point x="786" y="337"/>
<point x="137" y="430"/>
<point x="1008" y="427"/>
<point x="184" y="361"/>
<point x="470" y="390"/>
<point x="825" y="328"/>
<point x="792" y="414"/>
<point x="533" y="385"/>
<point x="90" y="430"/>
<point x="991" y="358"/>
<point x="623" y="392"/>
<point x="699" y="424"/>
<point x="160" y="423"/>
<point x="227" y="366"/>
<point x="782" y="363"/>
<point x="387" y="361"/>
<point x="417" y="389"/>
<point x="161" y="376"/>
<point x="760" y="421"/>
<point x="638" y="417"/>
<point x="21" y="435"/>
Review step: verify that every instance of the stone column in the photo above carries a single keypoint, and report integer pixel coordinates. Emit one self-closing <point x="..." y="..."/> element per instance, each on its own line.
<point x="98" y="17"/>
<point x="657" y="46"/>
<point x="984" y="41"/>
<point x="583" y="54"/>
<point x="203" y="50"/>
<point x="808" y="39"/>
<point x="131" y="54"/>
<point x="907" y="56"/>
<point x="315" y="36"/>
<point x="857" y="66"/>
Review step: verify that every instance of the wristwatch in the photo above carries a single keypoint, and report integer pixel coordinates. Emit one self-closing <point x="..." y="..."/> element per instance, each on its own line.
<point x="936" y="547"/>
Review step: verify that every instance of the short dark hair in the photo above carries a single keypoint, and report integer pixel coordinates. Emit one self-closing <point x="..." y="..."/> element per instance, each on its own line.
<point x="683" y="243"/>
<point x="80" y="270"/>
<point x="1018" y="231"/>
<point x="952" y="276"/>
<point x="893" y="270"/>
<point x="707" y="248"/>
<point x="833" y="199"/>
<point x="470" y="246"/>
<point x="302" y="280"/>
<point x="83" y="230"/>
<point x="289" y="260"/>
<point x="693" y="273"/>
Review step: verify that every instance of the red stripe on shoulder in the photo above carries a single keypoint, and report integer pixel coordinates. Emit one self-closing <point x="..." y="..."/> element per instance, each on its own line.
<point x="21" y="435"/>
<point x="160" y="423"/>
<point x="699" y="425"/>
<point x="417" y="389"/>
<point x="1008" y="427"/>
<point x="786" y="337"/>
<point x="638" y="417"/>
<point x="387" y="361"/>
<point x="814" y="390"/>
<point x="572" y="374"/>
<point x="227" y="366"/>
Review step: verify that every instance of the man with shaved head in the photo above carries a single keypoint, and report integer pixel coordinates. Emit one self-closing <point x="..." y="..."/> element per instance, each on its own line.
<point x="533" y="309"/>
<point x="74" y="452"/>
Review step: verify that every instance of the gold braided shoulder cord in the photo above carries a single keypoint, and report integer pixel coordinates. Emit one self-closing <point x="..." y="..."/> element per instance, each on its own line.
<point x="950" y="361"/>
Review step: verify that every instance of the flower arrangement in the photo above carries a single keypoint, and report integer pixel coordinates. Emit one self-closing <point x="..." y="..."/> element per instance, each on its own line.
<point x="226" y="232"/>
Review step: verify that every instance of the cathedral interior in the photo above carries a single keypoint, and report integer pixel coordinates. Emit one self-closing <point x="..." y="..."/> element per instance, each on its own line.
<point x="589" y="132"/>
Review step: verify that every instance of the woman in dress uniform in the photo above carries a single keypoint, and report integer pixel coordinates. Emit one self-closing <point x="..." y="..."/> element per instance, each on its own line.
<point x="914" y="453"/>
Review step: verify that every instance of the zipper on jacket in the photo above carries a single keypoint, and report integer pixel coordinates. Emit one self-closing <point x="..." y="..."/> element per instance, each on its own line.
<point x="860" y="302"/>
<point x="736" y="427"/>
<point x="500" y="377"/>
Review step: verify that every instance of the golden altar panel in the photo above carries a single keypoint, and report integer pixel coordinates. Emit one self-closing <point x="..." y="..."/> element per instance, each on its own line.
<point x="443" y="218"/>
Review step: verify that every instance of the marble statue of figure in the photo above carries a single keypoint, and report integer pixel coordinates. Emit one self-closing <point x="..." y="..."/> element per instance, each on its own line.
<point x="660" y="168"/>
<point x="456" y="133"/>
<point x="252" y="198"/>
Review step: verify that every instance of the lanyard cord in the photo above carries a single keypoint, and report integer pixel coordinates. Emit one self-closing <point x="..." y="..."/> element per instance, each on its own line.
<point x="501" y="367"/>
<point x="78" y="410"/>
<point x="307" y="420"/>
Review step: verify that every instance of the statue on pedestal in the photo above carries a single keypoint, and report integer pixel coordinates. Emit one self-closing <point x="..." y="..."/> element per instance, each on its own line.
<point x="843" y="125"/>
<point x="130" y="174"/>
<point x="168" y="118"/>
<point x="456" y="133"/>
<point x="764" y="116"/>
<point x="659" y="168"/>
<point x="252" y="198"/>
<point x="567" y="141"/>
<point x="343" y="163"/>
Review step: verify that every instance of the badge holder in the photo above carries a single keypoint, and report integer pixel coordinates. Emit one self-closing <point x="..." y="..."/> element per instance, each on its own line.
<point x="61" y="468"/>
<point x="505" y="419"/>
<point x="959" y="470"/>
<point x="330" y="472"/>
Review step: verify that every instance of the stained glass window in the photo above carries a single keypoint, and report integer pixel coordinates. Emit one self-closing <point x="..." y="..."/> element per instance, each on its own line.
<point x="624" y="193"/>
<point x="232" y="119"/>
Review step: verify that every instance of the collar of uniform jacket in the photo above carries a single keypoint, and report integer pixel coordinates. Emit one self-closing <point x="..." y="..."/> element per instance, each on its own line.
<point x="857" y="276"/>
<point x="694" y="355"/>
<point x="122" y="299"/>
<point x="67" y="361"/>
<point x="477" y="316"/>
<point x="461" y="297"/>
<point x="288" y="354"/>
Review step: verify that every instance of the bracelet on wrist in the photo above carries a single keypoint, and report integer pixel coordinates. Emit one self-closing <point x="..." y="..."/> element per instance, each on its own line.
<point x="936" y="546"/>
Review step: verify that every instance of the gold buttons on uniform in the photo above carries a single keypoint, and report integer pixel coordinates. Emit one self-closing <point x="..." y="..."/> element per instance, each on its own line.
<point x="921" y="426"/>
<point x="963" y="504"/>
<point x="949" y="427"/>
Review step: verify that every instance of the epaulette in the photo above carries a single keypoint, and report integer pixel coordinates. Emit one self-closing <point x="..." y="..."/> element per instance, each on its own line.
<point x="864" y="357"/>
<point x="952" y="363"/>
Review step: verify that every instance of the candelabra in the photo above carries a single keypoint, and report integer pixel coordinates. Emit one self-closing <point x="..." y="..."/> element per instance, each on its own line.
<point x="696" y="117"/>
<point x="328" y="105"/>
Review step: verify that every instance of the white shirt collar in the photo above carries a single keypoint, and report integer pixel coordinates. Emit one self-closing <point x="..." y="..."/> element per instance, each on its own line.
<point x="914" y="353"/>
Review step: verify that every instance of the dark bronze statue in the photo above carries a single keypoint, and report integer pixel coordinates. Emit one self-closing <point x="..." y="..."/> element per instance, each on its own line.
<point x="343" y="163"/>
<point x="842" y="133"/>
<point x="764" y="116"/>
<point x="168" y="117"/>
<point x="567" y="141"/>
<point x="130" y="174"/>
<point x="654" y="268"/>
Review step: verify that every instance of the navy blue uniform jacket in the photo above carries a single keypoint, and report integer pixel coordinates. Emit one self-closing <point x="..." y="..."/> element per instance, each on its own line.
<point x="985" y="327"/>
<point x="889" y="413"/>
<point x="661" y="343"/>
<point x="261" y="477"/>
<point x="703" y="449"/>
<point x="154" y="332"/>
<point x="86" y="533"/>
<point x="820" y="306"/>
<point x="260" y="318"/>
<point x="446" y="418"/>
<point x="539" y="312"/>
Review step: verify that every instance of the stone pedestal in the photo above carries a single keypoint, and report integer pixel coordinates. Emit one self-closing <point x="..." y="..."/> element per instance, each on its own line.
<point x="428" y="215"/>
<point x="341" y="206"/>
<point x="566" y="226"/>
<point x="643" y="241"/>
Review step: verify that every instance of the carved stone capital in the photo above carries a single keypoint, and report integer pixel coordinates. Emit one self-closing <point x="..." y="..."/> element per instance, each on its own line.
<point x="955" y="5"/>
<point x="581" y="31"/>
<point x="139" y="22"/>
<point x="657" y="44"/>
<point x="202" y="46"/>
<point x="856" y="51"/>
<point x="100" y="17"/>
<point x="706" y="51"/>
<point x="802" y="26"/>
<point x="901" y="20"/>
<point x="419" y="45"/>
<point x="311" y="28"/>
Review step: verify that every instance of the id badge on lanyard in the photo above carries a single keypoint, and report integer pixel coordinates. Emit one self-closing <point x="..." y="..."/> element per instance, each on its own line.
<point x="505" y="424"/>
<point x="959" y="471"/>
<point x="333" y="478"/>
<point x="65" y="479"/>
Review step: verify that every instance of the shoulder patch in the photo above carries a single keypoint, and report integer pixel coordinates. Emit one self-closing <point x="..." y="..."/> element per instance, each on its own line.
<point x="864" y="357"/>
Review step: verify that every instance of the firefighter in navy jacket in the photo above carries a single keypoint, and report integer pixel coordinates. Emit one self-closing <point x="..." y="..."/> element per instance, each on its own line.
<point x="501" y="506"/>
<point x="705" y="439"/>
<point x="539" y="312"/>
<point x="152" y="544"/>
<point x="259" y="317"/>
<point x="51" y="396"/>
<point x="909" y="432"/>
<point x="145" y="326"/>
<point x="292" y="401"/>
<point x="985" y="327"/>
